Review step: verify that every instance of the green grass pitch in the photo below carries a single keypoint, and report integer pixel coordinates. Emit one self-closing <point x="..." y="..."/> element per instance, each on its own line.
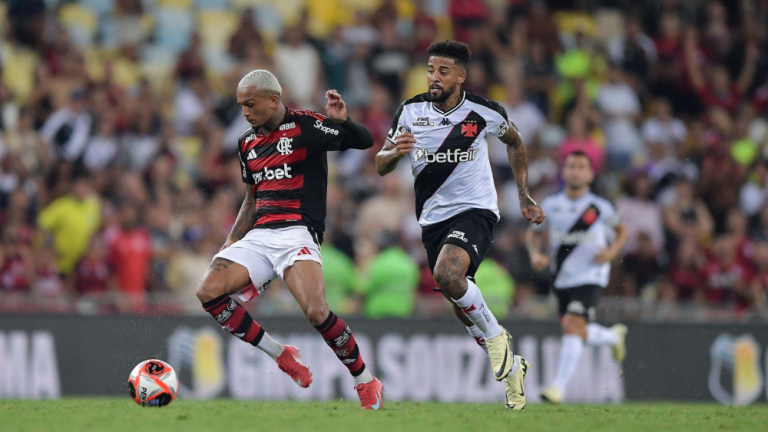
<point x="122" y="414"/>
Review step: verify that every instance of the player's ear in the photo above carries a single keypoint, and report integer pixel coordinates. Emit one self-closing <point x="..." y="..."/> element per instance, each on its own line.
<point x="462" y="75"/>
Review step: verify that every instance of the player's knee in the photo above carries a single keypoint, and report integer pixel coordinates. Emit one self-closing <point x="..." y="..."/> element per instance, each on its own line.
<point x="317" y="312"/>
<point x="574" y="324"/>
<point x="448" y="279"/>
<point x="210" y="288"/>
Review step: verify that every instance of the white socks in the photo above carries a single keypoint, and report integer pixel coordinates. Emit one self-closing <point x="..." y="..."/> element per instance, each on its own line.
<point x="364" y="377"/>
<point x="570" y="354"/>
<point x="270" y="346"/>
<point x="598" y="335"/>
<point x="479" y="337"/>
<point x="477" y="311"/>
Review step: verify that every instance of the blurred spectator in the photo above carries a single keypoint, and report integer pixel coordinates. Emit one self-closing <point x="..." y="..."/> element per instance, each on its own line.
<point x="389" y="61"/>
<point x="620" y="108"/>
<point x="753" y="193"/>
<point x="661" y="128"/>
<point x="727" y="278"/>
<point x="17" y="272"/>
<point x="341" y="279"/>
<point x="102" y="148"/>
<point x="633" y="50"/>
<point x="686" y="218"/>
<point x="188" y="266"/>
<point x="193" y="103"/>
<point x="92" y="276"/>
<point x="380" y="214"/>
<point x="579" y="139"/>
<point x="640" y="213"/>
<point x="687" y="271"/>
<point x="68" y="128"/>
<point x="129" y="257"/>
<point x="47" y="281"/>
<point x="245" y="36"/>
<point x="297" y="64"/>
<point x="497" y="287"/>
<point x="540" y="75"/>
<point x="390" y="282"/>
<point x="72" y="220"/>
<point x="641" y="266"/>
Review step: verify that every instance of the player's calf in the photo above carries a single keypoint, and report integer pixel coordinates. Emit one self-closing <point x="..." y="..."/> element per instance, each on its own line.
<point x="224" y="277"/>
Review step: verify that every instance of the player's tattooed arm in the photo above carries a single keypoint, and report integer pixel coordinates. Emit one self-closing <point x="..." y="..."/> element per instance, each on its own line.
<point x="518" y="158"/>
<point x="390" y="154"/>
<point x="246" y="217"/>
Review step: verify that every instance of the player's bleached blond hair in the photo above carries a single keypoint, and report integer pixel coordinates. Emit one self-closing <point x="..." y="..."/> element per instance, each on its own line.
<point x="261" y="79"/>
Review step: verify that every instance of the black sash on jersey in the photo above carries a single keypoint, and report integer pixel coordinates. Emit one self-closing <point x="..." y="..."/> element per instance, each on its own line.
<point x="433" y="175"/>
<point x="586" y="220"/>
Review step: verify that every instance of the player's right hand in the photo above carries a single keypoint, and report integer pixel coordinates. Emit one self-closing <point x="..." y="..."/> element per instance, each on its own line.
<point x="539" y="261"/>
<point x="404" y="143"/>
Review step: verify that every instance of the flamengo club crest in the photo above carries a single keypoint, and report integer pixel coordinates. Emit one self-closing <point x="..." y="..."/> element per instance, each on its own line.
<point x="284" y="146"/>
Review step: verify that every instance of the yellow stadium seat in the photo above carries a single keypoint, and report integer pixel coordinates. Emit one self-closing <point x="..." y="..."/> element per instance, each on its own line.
<point x="326" y="15"/>
<point x="179" y="4"/>
<point x="245" y="4"/>
<point x="364" y="5"/>
<point x="216" y="27"/>
<point x="572" y="22"/>
<point x="126" y="73"/>
<point x="84" y="20"/>
<point x="19" y="71"/>
<point x="157" y="74"/>
<point x="415" y="81"/>
<point x="3" y="15"/>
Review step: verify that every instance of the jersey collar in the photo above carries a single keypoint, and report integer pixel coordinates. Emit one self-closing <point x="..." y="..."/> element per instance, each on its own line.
<point x="458" y="105"/>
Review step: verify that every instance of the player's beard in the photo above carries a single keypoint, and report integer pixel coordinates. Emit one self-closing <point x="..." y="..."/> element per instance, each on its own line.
<point x="442" y="96"/>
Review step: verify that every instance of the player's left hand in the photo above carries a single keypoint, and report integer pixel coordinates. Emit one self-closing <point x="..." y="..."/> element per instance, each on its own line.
<point x="335" y="109"/>
<point x="604" y="256"/>
<point x="531" y="210"/>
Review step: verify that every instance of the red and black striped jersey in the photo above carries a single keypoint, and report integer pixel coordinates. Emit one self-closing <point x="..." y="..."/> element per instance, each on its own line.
<point x="288" y="169"/>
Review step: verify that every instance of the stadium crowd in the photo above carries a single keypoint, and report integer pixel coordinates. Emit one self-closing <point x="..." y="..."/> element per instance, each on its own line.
<point x="119" y="177"/>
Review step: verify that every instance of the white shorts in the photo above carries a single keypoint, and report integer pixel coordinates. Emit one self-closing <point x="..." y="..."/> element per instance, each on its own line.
<point x="266" y="253"/>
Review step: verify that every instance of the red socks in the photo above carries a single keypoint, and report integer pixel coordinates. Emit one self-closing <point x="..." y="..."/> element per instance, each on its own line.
<point x="338" y="336"/>
<point x="234" y="319"/>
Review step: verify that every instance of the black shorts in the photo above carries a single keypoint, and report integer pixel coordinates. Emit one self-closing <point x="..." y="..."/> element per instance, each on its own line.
<point x="471" y="230"/>
<point x="581" y="300"/>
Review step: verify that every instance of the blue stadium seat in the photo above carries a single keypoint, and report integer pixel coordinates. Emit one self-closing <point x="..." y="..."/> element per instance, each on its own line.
<point x="203" y="5"/>
<point x="173" y="28"/>
<point x="101" y="7"/>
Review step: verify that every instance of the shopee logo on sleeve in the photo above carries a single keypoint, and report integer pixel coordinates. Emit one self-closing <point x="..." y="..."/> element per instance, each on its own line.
<point x="325" y="129"/>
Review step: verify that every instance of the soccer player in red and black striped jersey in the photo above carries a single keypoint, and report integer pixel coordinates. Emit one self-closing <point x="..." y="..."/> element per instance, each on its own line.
<point x="280" y="226"/>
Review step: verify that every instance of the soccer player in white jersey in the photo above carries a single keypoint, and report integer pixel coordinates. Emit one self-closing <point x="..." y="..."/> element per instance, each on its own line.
<point x="444" y="133"/>
<point x="584" y="235"/>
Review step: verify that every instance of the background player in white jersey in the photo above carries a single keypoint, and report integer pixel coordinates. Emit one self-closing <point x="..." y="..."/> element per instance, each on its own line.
<point x="444" y="131"/>
<point x="584" y="235"/>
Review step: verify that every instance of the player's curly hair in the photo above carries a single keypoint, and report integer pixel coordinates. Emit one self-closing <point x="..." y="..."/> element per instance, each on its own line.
<point x="458" y="51"/>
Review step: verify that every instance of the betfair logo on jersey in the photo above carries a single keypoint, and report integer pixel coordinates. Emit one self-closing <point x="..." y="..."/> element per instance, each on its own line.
<point x="454" y="156"/>
<point x="272" y="174"/>
<point x="325" y="129"/>
<point x="573" y="238"/>
<point x="423" y="121"/>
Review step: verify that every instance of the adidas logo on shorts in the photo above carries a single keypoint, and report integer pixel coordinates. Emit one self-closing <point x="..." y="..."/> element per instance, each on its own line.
<point x="304" y="251"/>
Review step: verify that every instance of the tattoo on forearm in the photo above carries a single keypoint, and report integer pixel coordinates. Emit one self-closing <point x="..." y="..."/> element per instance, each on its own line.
<point x="386" y="161"/>
<point x="220" y="264"/>
<point x="245" y="218"/>
<point x="518" y="158"/>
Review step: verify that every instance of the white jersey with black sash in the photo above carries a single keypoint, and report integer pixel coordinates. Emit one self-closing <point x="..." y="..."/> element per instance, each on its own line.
<point x="578" y="230"/>
<point x="450" y="165"/>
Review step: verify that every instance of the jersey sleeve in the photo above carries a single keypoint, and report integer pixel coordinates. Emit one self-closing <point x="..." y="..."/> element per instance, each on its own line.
<point x="498" y="121"/>
<point x="244" y="171"/>
<point x="324" y="132"/>
<point x="398" y="124"/>
<point x="608" y="214"/>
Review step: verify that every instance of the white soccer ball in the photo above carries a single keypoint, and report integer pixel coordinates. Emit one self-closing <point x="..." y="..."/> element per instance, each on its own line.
<point x="153" y="383"/>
